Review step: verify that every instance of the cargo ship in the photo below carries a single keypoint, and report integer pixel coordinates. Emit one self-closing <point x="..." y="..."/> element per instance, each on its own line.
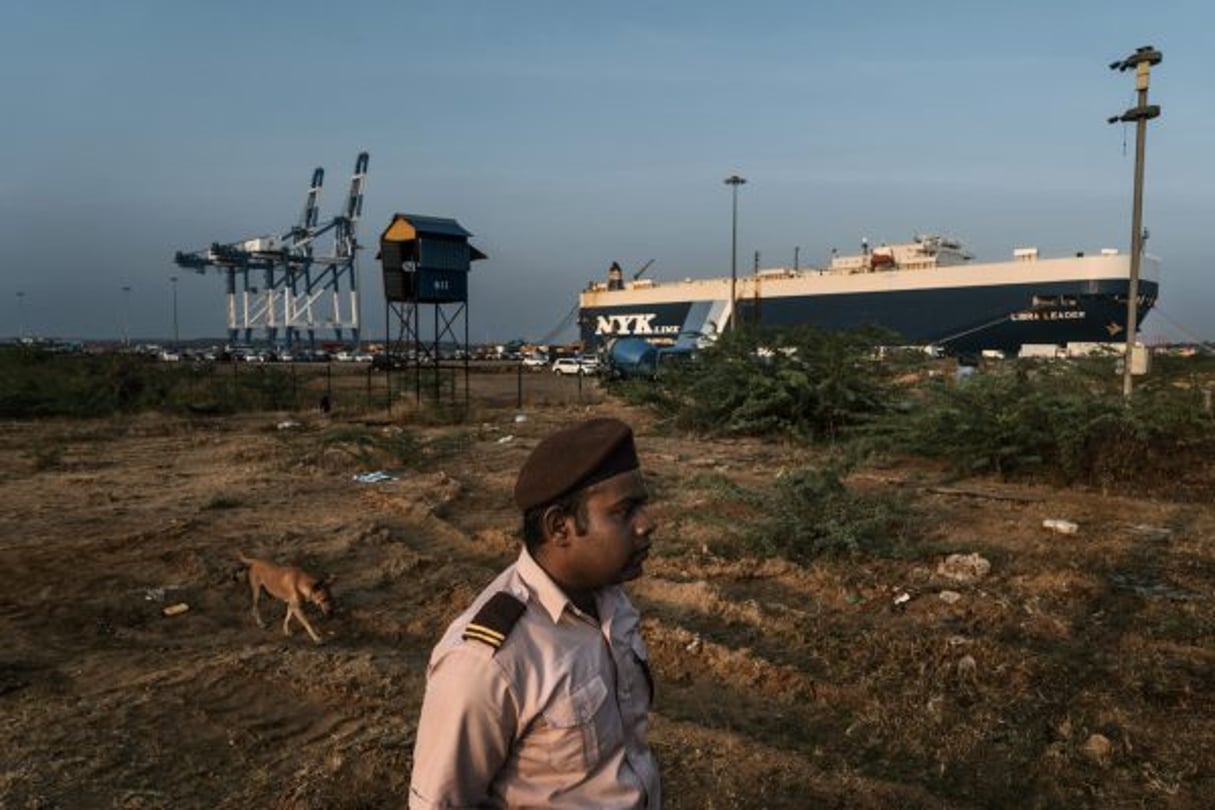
<point x="927" y="292"/>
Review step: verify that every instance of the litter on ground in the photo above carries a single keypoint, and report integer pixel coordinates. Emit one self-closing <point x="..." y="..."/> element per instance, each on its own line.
<point x="374" y="477"/>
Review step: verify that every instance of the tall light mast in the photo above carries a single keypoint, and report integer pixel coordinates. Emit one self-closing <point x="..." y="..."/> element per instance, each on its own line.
<point x="1141" y="60"/>
<point x="734" y="181"/>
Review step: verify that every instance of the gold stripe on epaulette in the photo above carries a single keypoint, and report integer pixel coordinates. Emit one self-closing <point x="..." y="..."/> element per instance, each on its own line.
<point x="487" y="631"/>
<point x="492" y="640"/>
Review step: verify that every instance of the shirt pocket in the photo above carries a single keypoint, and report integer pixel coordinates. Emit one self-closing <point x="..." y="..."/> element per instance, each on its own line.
<point x="578" y="728"/>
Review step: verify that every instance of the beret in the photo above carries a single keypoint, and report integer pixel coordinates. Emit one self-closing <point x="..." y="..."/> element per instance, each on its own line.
<point x="573" y="458"/>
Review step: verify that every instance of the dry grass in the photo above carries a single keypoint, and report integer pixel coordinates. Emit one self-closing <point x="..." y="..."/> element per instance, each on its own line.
<point x="1079" y="672"/>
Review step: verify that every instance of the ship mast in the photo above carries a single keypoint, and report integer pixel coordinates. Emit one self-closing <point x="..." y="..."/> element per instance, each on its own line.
<point x="1141" y="60"/>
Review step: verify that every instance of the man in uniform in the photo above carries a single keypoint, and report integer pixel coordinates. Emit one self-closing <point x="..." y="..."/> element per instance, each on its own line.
<point x="538" y="695"/>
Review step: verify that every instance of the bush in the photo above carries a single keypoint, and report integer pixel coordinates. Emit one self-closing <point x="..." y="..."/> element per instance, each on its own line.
<point x="36" y="384"/>
<point x="801" y="383"/>
<point x="810" y="513"/>
<point x="1066" y="421"/>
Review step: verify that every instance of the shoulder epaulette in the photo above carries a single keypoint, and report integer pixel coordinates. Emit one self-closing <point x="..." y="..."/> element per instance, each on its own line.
<point x="495" y="620"/>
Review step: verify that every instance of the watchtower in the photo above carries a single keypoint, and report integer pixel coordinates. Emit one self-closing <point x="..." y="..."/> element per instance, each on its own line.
<point x="425" y="262"/>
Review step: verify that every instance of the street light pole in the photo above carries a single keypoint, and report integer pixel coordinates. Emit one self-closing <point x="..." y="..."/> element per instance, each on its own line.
<point x="176" y="339"/>
<point x="20" y="316"/>
<point x="1141" y="60"/>
<point x="734" y="181"/>
<point x="126" y="315"/>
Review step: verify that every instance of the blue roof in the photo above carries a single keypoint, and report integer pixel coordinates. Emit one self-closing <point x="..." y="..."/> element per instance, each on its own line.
<point x="436" y="225"/>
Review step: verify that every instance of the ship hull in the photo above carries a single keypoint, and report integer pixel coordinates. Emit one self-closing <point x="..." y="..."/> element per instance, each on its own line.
<point x="1000" y="306"/>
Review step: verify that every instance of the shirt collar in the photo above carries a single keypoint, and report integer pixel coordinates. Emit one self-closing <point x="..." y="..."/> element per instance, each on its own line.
<point x="547" y="593"/>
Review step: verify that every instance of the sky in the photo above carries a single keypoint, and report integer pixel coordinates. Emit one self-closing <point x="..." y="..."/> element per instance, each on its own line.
<point x="567" y="135"/>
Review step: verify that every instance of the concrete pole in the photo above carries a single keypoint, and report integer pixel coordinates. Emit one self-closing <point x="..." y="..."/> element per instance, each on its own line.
<point x="126" y="315"/>
<point x="734" y="181"/>
<point x="176" y="335"/>
<point x="1141" y="61"/>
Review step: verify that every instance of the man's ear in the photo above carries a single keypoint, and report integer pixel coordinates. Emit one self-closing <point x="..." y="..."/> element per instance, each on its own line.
<point x="556" y="523"/>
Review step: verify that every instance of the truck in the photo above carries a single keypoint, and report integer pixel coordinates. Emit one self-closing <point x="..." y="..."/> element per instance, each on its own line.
<point x="630" y="357"/>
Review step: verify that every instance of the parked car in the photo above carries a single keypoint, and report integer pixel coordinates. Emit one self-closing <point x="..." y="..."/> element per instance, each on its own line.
<point x="567" y="366"/>
<point x="311" y="356"/>
<point x="388" y="361"/>
<point x="535" y="362"/>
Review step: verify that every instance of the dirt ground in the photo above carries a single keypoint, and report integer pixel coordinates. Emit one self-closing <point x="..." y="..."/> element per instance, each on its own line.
<point x="1076" y="672"/>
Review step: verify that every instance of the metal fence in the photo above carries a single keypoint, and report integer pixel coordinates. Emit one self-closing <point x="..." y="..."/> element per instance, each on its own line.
<point x="338" y="386"/>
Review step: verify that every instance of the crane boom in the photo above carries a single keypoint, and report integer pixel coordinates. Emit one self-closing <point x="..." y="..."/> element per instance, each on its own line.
<point x="345" y="238"/>
<point x="299" y="290"/>
<point x="299" y="239"/>
<point x="354" y="202"/>
<point x="312" y="208"/>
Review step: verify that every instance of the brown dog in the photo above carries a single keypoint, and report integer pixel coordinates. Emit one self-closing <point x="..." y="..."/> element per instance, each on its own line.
<point x="294" y="586"/>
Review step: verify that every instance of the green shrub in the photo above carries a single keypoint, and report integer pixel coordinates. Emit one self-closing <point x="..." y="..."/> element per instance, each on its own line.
<point x="1066" y="421"/>
<point x="37" y="384"/>
<point x="811" y="513"/>
<point x="802" y="383"/>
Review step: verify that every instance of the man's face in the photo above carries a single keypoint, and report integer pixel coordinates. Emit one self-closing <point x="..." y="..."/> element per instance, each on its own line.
<point x="617" y="537"/>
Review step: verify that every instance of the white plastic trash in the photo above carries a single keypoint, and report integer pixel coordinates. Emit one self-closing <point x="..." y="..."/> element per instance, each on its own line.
<point x="1060" y="526"/>
<point x="377" y="477"/>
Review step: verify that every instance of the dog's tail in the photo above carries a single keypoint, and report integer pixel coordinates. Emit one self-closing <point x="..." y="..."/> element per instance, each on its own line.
<point x="244" y="559"/>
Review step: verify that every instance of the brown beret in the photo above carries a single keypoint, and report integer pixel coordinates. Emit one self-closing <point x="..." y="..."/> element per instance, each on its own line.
<point x="573" y="458"/>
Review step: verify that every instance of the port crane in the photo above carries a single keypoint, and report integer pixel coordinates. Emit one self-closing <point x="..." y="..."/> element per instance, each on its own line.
<point x="303" y="289"/>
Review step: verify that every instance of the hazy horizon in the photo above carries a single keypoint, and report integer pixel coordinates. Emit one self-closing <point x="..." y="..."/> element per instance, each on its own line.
<point x="568" y="137"/>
